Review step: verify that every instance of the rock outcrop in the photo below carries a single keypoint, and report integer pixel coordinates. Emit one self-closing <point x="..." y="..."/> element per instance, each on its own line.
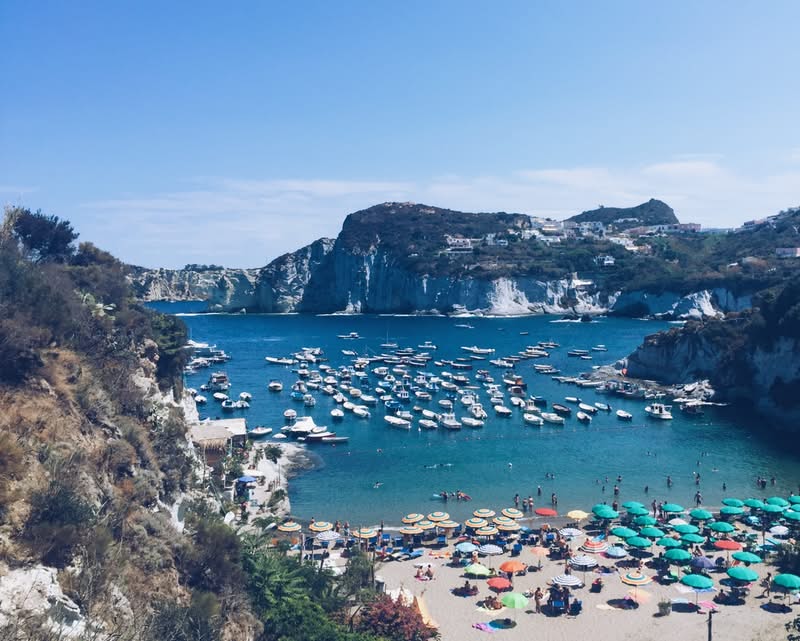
<point x="226" y="287"/>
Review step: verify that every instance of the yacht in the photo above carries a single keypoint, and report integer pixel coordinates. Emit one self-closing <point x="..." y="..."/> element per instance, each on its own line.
<point x="659" y="411"/>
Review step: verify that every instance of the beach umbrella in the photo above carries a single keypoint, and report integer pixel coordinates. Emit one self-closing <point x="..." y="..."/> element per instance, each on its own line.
<point x="512" y="513"/>
<point x="583" y="561"/>
<point x="490" y="550"/>
<point x="638" y="542"/>
<point x="545" y="511"/>
<point x="425" y="525"/>
<point x="630" y="504"/>
<point x="640" y="596"/>
<point x="514" y="600"/>
<point x="365" y="533"/>
<point x="721" y="526"/>
<point x="741" y="573"/>
<point x="779" y="530"/>
<point x="509" y="527"/>
<point x="410" y="530"/>
<point x="777" y="500"/>
<point x="697" y="581"/>
<point x="594" y="546"/>
<point x="755" y="504"/>
<point x="475" y="523"/>
<point x="635" y="578"/>
<point x="727" y="544"/>
<point x="678" y="555"/>
<point x="700" y="514"/>
<point x="651" y="532"/>
<point x="570" y="580"/>
<point x="447" y="525"/>
<point x="769" y="508"/>
<point x="677" y="521"/>
<point x="486" y="530"/>
<point x="484" y="513"/>
<point x="253" y="479"/>
<point x="731" y="511"/>
<point x="499" y="583"/>
<point x="328" y="535"/>
<point x="644" y="520"/>
<point x="787" y="581"/>
<point x="795" y="499"/>
<point x="513" y="566"/>
<point x="746" y="557"/>
<point x="702" y="563"/>
<point x="413" y="518"/>
<point x="570" y="532"/>
<point x="692" y="538"/>
<point x="476" y="569"/>
<point x="539" y="551"/>
<point x="320" y="526"/>
<point x="616" y="552"/>
<point x="638" y="511"/>
<point x="791" y="515"/>
<point x="686" y="528"/>
<point x="733" y="502"/>
<point x="623" y="532"/>
<point x="672" y="508"/>
<point x="578" y="515"/>
<point x="668" y="542"/>
<point x="500" y="520"/>
<point x="438" y="516"/>
<point x="466" y="547"/>
<point x="290" y="526"/>
<point x="605" y="511"/>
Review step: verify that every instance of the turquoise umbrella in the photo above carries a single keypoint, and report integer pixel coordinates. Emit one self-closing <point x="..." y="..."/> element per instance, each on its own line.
<point x="667" y="542"/>
<point x="733" y="502"/>
<point x="623" y="532"/>
<point x="604" y="511"/>
<point x="791" y="515"/>
<point x="787" y="581"/>
<point x="794" y="498"/>
<point x="769" y="508"/>
<point x="638" y="511"/>
<point x="651" y="532"/>
<point x="678" y="555"/>
<point x="638" y="542"/>
<point x="697" y="581"/>
<point x="754" y="504"/>
<point x="701" y="514"/>
<point x="777" y="500"/>
<point x="686" y="528"/>
<point x="731" y="511"/>
<point x="672" y="508"/>
<point x="644" y="520"/>
<point x="693" y="538"/>
<point x="746" y="557"/>
<point x="741" y="573"/>
<point x="629" y="504"/>
<point x="721" y="526"/>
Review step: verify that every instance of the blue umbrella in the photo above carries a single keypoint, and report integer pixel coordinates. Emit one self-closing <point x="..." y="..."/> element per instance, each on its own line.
<point x="616" y="552"/>
<point x="466" y="547"/>
<point x="246" y="479"/>
<point x="702" y="563"/>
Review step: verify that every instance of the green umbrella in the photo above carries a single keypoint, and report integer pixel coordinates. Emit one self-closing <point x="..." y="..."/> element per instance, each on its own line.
<point x="733" y="502"/>
<point x="794" y="498"/>
<point x="638" y="511"/>
<point x="604" y="511"/>
<point x="787" y="581"/>
<point x="668" y="542"/>
<point x="629" y="504"/>
<point x="638" y="542"/>
<point x="672" y="508"/>
<point x="731" y="511"/>
<point x="746" y="557"/>
<point x="623" y="532"/>
<point x="777" y="500"/>
<point x="476" y="569"/>
<point x="700" y="514"/>
<point x="693" y="538"/>
<point x="644" y="520"/>
<point x="769" y="508"/>
<point x="514" y="600"/>
<point x="651" y="532"/>
<point x="697" y="581"/>
<point x="792" y="516"/>
<point x="686" y="528"/>
<point x="754" y="504"/>
<point x="741" y="573"/>
<point x="678" y="555"/>
<point x="721" y="526"/>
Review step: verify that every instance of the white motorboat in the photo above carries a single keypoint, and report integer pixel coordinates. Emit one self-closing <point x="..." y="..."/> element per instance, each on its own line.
<point x="599" y="348"/>
<point x="428" y="424"/>
<point x="350" y="336"/>
<point x="200" y="399"/>
<point x="474" y="423"/>
<point x="220" y="397"/>
<point x="659" y="411"/>
<point x="446" y="403"/>
<point x="272" y="360"/>
<point x="309" y="401"/>
<point x="279" y="436"/>
<point x="624" y="416"/>
<point x="337" y="414"/>
<point x="258" y="432"/>
<point x="476" y="409"/>
<point x="588" y="409"/>
<point x="246" y="397"/>
<point x="478" y="350"/>
<point x="572" y="399"/>
<point x="603" y="406"/>
<point x="583" y="417"/>
<point x="551" y="417"/>
<point x="290" y="415"/>
<point x="449" y="421"/>
<point x="532" y="419"/>
<point x="361" y="411"/>
<point x="502" y="410"/>
<point x="427" y="345"/>
<point x="397" y="423"/>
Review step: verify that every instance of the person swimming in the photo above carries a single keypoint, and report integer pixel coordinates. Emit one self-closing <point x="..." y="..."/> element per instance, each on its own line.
<point x="377" y="485"/>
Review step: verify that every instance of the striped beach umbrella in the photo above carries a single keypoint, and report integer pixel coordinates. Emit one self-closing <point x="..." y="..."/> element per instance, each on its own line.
<point x="570" y="580"/>
<point x="490" y="550"/>
<point x="509" y="527"/>
<point x="475" y="523"/>
<point x="483" y="513"/>
<point x="487" y="530"/>
<point x="328" y="536"/>
<point x="500" y="520"/>
<point x="413" y="517"/>
<point x="512" y="513"/>
<point x="594" y="546"/>
<point x="425" y="525"/>
<point x="438" y="516"/>
<point x="290" y="526"/>
<point x="320" y="526"/>
<point x="448" y="524"/>
<point x="570" y="532"/>
<point x="365" y="533"/>
<point x="583" y="561"/>
<point x="410" y="530"/>
<point x="635" y="578"/>
<point x="466" y="547"/>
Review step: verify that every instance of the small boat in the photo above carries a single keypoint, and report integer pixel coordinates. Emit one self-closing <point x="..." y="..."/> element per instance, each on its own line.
<point x="578" y="352"/>
<point x="600" y="348"/>
<point x="200" y="399"/>
<point x="290" y="415"/>
<point x="588" y="409"/>
<point x="561" y="409"/>
<point x="532" y="419"/>
<point x="502" y="410"/>
<point x="220" y="397"/>
<point x="446" y="403"/>
<point x="333" y="440"/>
<point x="659" y="411"/>
<point x="474" y="423"/>
<point x="397" y="423"/>
<point x="427" y="345"/>
<point x="337" y="414"/>
<point x="309" y="401"/>
<point x="228" y="405"/>
<point x="624" y="416"/>
<point x="478" y="350"/>
<point x="246" y="397"/>
<point x="430" y="414"/>
<point x="275" y="386"/>
<point x="550" y="417"/>
<point x="272" y="360"/>
<point x="259" y="432"/>
<point x="603" y="406"/>
<point x="361" y="411"/>
<point x="572" y="399"/>
<point x="450" y="422"/>
<point x="428" y="424"/>
<point x="476" y="409"/>
<point x="350" y="336"/>
<point x="279" y="436"/>
<point x="583" y="417"/>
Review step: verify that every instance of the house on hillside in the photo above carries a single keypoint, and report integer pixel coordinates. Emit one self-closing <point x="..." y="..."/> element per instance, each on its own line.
<point x="605" y="261"/>
<point x="787" y="252"/>
<point x="215" y="438"/>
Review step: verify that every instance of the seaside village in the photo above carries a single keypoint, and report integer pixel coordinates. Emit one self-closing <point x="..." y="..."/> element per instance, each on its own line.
<point x="529" y="567"/>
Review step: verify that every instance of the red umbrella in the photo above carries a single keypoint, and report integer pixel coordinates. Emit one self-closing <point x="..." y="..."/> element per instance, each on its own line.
<point x="499" y="583"/>
<point x="727" y="544"/>
<point x="545" y="511"/>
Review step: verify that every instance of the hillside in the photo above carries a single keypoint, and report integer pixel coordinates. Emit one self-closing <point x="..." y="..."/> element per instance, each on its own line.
<point x="653" y="212"/>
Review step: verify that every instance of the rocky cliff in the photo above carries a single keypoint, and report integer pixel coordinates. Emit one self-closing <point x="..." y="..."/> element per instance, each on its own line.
<point x="653" y="212"/>
<point x="227" y="287"/>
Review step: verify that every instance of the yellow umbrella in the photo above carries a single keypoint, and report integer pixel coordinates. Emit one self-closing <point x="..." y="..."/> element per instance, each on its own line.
<point x="487" y="530"/>
<point x="365" y="533"/>
<point x="413" y="517"/>
<point x="578" y="515"/>
<point x="410" y="529"/>
<point x="447" y="525"/>
<point x="509" y="527"/>
<point x="476" y="522"/>
<point x="320" y="526"/>
<point x="484" y="513"/>
<point x="512" y="513"/>
<point x="425" y="525"/>
<point x="438" y="516"/>
<point x="289" y="526"/>
<point x="500" y="520"/>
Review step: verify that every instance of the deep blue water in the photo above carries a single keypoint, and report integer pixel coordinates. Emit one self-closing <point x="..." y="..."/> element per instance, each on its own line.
<point x="477" y="461"/>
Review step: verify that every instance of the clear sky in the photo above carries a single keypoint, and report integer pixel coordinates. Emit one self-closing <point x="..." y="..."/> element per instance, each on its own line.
<point x="176" y="132"/>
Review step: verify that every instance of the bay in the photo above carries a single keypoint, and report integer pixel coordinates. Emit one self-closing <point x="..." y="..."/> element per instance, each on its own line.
<point x="505" y="457"/>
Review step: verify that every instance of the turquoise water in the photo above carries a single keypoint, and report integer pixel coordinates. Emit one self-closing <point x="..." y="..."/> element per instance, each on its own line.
<point x="477" y="462"/>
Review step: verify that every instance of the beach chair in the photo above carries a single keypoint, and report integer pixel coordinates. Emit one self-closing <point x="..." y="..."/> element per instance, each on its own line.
<point x="516" y="550"/>
<point x="558" y="607"/>
<point x="441" y="540"/>
<point x="415" y="554"/>
<point x="398" y="541"/>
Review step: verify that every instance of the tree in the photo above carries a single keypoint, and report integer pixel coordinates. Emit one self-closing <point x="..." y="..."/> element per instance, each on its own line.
<point x="392" y="619"/>
<point x="44" y="238"/>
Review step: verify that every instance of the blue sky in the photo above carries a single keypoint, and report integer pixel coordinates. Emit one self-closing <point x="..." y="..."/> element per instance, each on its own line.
<point x="232" y="132"/>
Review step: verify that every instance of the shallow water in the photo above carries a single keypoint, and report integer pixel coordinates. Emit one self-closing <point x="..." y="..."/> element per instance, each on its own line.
<point x="505" y="457"/>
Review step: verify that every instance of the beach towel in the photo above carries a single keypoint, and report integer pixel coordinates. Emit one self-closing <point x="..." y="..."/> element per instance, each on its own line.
<point x="484" y="627"/>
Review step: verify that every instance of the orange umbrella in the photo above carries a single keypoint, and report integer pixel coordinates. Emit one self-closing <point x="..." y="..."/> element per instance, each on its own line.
<point x="499" y="583"/>
<point x="545" y="511"/>
<point x="513" y="566"/>
<point x="539" y="551"/>
<point x="727" y="544"/>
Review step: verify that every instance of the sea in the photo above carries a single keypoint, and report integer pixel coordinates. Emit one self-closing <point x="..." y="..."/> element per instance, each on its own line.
<point x="383" y="473"/>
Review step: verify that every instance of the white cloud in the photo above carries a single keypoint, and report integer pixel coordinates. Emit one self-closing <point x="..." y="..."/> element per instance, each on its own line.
<point x="246" y="222"/>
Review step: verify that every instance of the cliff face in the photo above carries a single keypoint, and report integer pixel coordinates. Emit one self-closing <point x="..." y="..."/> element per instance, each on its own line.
<point x="226" y="287"/>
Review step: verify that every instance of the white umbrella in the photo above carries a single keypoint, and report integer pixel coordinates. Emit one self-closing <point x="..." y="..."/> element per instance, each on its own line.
<point x="677" y="521"/>
<point x="779" y="530"/>
<point x="569" y="580"/>
<point x="583" y="560"/>
<point x="328" y="535"/>
<point x="490" y="550"/>
<point x="570" y="532"/>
